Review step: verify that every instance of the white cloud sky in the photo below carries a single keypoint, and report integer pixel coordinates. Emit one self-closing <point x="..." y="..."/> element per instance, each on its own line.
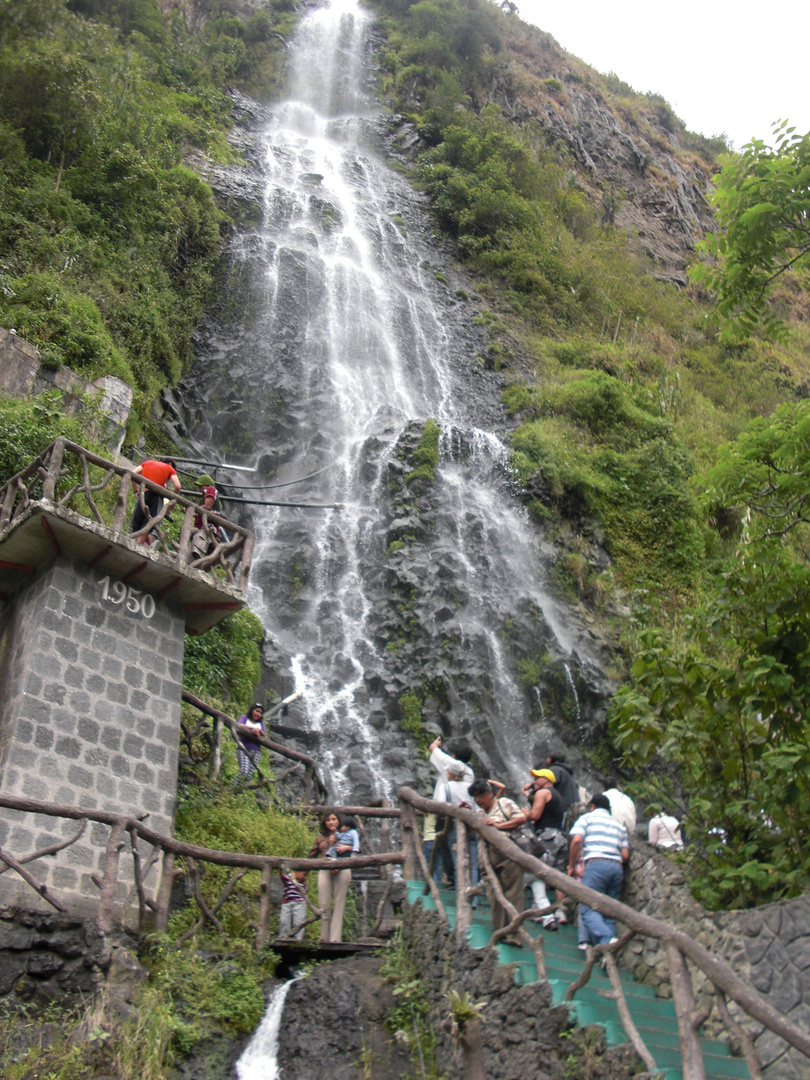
<point x="730" y="68"/>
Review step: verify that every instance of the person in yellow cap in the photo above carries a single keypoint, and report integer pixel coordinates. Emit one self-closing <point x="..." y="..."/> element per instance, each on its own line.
<point x="545" y="813"/>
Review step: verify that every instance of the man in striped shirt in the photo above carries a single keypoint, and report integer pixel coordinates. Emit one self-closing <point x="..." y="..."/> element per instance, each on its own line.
<point x="601" y="842"/>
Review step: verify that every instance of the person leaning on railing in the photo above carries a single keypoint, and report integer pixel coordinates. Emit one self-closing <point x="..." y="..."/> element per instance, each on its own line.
<point x="147" y="504"/>
<point x="205" y="535"/>
<point x="504" y="815"/>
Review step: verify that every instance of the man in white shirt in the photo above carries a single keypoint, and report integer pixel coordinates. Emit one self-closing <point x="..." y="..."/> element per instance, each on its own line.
<point x="455" y="776"/>
<point x="665" y="832"/>
<point x="622" y="808"/>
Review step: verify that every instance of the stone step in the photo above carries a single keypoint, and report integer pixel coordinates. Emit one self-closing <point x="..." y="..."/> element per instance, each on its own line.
<point x="654" y="1017"/>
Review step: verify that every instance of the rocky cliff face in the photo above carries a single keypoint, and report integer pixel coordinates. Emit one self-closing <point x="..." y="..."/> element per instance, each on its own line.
<point x="342" y="323"/>
<point x="642" y="184"/>
<point x="447" y="617"/>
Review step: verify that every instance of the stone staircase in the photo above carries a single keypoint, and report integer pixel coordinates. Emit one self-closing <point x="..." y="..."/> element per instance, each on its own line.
<point x="654" y="1017"/>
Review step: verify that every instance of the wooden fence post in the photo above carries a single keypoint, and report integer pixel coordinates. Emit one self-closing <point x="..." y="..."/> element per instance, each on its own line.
<point x="106" y="904"/>
<point x="264" y="909"/>
<point x="407" y="823"/>
<point x="54" y="467"/>
<point x="164" y="893"/>
<point x="463" y="909"/>
<point x="216" y="756"/>
<point x="694" y="1067"/>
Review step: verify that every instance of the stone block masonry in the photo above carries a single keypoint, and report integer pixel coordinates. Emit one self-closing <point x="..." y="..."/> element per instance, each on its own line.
<point x="90" y="693"/>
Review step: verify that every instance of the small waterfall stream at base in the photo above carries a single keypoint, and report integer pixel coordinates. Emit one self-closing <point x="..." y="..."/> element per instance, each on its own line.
<point x="260" y="1059"/>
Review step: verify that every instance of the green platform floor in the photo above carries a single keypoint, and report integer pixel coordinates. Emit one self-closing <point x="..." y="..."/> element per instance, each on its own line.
<point x="654" y="1017"/>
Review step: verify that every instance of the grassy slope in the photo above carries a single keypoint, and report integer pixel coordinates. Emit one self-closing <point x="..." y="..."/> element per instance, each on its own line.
<point x="621" y="388"/>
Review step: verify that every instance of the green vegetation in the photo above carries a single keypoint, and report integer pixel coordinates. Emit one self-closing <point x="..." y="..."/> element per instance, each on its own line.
<point x="426" y="455"/>
<point x="761" y="199"/>
<point x="410" y="1020"/>
<point x="607" y="452"/>
<point x="108" y="240"/>
<point x="224" y="664"/>
<point x="28" y="425"/>
<point x="410" y="719"/>
<point x="721" y="708"/>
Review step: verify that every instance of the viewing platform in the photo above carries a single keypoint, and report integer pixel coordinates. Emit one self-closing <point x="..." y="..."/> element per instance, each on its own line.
<point x="72" y="502"/>
<point x="92" y="638"/>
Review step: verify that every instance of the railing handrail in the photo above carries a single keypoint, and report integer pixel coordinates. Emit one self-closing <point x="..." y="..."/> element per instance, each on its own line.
<point x="720" y="974"/>
<point x="232" y="555"/>
<point x="121" y="471"/>
<point x="121" y="824"/>
<point x="237" y="729"/>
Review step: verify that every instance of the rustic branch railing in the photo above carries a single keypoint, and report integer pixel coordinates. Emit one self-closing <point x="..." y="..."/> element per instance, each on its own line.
<point x="679" y="946"/>
<point x="123" y="824"/>
<point x="62" y="475"/>
<point x="314" y="787"/>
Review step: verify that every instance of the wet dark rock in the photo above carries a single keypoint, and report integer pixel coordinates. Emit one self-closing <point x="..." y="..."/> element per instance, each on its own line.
<point x="429" y="629"/>
<point x="334" y="1016"/>
<point x="523" y="1034"/>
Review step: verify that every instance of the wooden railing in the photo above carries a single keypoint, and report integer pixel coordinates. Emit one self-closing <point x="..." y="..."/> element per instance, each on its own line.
<point x="211" y="750"/>
<point x="123" y="826"/>
<point x="679" y="947"/>
<point x="70" y="476"/>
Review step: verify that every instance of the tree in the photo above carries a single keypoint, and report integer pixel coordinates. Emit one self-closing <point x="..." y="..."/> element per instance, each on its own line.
<point x="715" y="729"/>
<point x="762" y="205"/>
<point x="722" y="713"/>
<point x="766" y="473"/>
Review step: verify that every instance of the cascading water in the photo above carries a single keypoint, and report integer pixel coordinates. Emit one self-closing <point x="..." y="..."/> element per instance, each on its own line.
<point x="260" y="1059"/>
<point x="345" y="343"/>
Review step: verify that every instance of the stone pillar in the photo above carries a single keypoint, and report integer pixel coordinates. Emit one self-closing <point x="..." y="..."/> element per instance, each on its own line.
<point x="90" y="696"/>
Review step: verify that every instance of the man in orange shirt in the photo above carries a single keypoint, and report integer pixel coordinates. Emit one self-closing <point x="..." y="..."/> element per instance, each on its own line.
<point x="148" y="503"/>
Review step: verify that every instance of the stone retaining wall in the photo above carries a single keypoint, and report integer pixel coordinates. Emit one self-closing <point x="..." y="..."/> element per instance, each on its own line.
<point x="89" y="716"/>
<point x="22" y="375"/>
<point x="769" y="947"/>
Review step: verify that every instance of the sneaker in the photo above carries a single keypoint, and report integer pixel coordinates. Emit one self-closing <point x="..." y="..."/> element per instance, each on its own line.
<point x="561" y="918"/>
<point x="613" y="941"/>
<point x="549" y="922"/>
<point x="583" y="945"/>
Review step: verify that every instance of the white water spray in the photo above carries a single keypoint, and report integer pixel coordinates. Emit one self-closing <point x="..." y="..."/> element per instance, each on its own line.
<point x="349" y="347"/>
<point x="260" y="1059"/>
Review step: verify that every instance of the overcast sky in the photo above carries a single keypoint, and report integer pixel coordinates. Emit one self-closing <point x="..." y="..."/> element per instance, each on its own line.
<point x="723" y="67"/>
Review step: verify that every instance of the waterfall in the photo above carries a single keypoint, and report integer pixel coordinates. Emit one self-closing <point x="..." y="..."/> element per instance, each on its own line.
<point x="573" y="688"/>
<point x="341" y="341"/>
<point x="260" y="1059"/>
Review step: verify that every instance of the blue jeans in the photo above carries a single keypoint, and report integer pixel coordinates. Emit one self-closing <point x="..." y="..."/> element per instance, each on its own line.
<point x="472" y="841"/>
<point x="604" y="876"/>
<point x="441" y="865"/>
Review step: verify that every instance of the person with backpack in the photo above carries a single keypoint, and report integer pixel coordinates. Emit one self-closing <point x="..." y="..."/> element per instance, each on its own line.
<point x="546" y="812"/>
